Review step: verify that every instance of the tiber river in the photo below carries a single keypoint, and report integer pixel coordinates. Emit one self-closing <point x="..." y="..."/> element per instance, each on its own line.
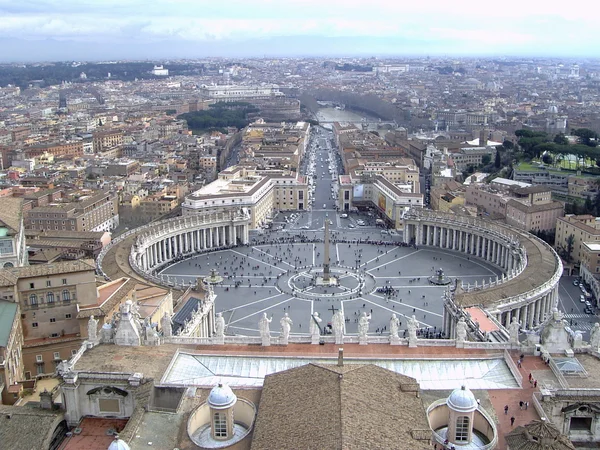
<point x="344" y="116"/>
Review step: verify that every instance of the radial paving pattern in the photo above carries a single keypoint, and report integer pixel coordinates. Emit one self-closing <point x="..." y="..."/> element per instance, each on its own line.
<point x="379" y="279"/>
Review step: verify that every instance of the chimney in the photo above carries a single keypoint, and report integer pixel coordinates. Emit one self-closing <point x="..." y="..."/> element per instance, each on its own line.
<point x="340" y="357"/>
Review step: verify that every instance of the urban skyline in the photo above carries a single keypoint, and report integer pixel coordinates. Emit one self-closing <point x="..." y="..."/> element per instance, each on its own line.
<point x="49" y="30"/>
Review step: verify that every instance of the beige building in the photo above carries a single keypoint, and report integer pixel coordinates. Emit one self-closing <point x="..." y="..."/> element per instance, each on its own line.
<point x="11" y="358"/>
<point x="12" y="233"/>
<point x="377" y="192"/>
<point x="261" y="192"/>
<point x="89" y="211"/>
<point x="584" y="228"/>
<point x="48" y="296"/>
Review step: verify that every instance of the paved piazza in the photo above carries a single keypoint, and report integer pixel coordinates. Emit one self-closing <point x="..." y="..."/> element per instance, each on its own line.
<point x="276" y="278"/>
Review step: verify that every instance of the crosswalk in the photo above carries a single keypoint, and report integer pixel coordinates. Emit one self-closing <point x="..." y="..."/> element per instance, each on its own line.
<point x="582" y="326"/>
<point x="577" y="316"/>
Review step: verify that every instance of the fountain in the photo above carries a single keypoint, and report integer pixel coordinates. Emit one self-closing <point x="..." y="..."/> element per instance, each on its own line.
<point x="439" y="278"/>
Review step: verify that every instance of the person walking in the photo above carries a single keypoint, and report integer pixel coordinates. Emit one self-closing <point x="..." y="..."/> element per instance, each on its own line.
<point x="512" y="421"/>
<point x="521" y="404"/>
<point x="506" y="410"/>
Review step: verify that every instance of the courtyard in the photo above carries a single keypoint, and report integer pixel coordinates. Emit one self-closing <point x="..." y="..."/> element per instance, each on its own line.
<point x="275" y="275"/>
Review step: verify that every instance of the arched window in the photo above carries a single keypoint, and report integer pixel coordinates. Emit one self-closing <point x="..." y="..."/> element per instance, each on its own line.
<point x="50" y="297"/>
<point x="462" y="429"/>
<point x="33" y="299"/>
<point x="220" y="425"/>
<point x="8" y="265"/>
<point x="66" y="296"/>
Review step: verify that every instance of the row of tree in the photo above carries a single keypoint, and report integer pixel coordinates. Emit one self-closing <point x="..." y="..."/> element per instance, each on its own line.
<point x="219" y="116"/>
<point x="554" y="149"/>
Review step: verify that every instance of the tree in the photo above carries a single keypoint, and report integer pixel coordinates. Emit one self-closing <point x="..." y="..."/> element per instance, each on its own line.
<point x="588" y="205"/>
<point x="508" y="145"/>
<point x="561" y="139"/>
<point x="586" y="136"/>
<point x="570" y="245"/>
<point x="497" y="161"/>
<point x="547" y="158"/>
<point x="486" y="159"/>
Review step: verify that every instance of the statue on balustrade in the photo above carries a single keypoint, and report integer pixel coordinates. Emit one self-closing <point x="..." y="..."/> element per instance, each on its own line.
<point x="220" y="325"/>
<point x="461" y="330"/>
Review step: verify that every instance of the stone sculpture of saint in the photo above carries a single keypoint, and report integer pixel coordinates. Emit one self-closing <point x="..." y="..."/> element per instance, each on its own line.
<point x="263" y="326"/>
<point x="286" y="326"/>
<point x="394" y="324"/>
<point x="315" y="320"/>
<point x="166" y="325"/>
<point x="514" y="329"/>
<point x="338" y="323"/>
<point x="220" y="325"/>
<point x="92" y="329"/>
<point x="413" y="324"/>
<point x="595" y="337"/>
<point x="461" y="330"/>
<point x="363" y="324"/>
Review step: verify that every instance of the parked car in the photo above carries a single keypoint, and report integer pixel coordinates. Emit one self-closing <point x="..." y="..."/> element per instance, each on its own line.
<point x="575" y="283"/>
<point x="582" y="298"/>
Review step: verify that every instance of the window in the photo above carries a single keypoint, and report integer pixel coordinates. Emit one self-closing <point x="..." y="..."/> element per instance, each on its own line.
<point x="64" y="281"/>
<point x="67" y="316"/>
<point x="54" y="335"/>
<point x="31" y="285"/>
<point x="34" y="325"/>
<point x="220" y="425"/>
<point x="33" y="300"/>
<point x="48" y="283"/>
<point x="73" y="352"/>
<point x="462" y="429"/>
<point x="50" y="297"/>
<point x="39" y="358"/>
<point x="52" y="319"/>
<point x="66" y="296"/>
<point x="56" y="355"/>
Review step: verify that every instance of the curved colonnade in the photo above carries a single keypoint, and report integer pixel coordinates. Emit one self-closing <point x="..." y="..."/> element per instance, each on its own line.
<point x="162" y="243"/>
<point x="528" y="288"/>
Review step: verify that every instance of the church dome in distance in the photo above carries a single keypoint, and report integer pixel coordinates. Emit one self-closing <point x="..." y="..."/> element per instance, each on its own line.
<point x="221" y="397"/>
<point x="462" y="400"/>
<point x="553" y="109"/>
<point x="118" y="444"/>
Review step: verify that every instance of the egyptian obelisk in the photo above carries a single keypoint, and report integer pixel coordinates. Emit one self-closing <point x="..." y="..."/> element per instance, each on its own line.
<point x="326" y="252"/>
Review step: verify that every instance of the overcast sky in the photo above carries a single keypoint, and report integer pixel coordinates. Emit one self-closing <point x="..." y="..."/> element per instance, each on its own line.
<point x="101" y="29"/>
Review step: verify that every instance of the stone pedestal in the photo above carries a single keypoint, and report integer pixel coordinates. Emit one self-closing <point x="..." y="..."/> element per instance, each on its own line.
<point x="412" y="343"/>
<point x="363" y="340"/>
<point x="395" y="340"/>
<point x="219" y="340"/>
<point x="460" y="343"/>
<point x="314" y="339"/>
<point x="339" y="340"/>
<point x="283" y="340"/>
<point x="265" y="341"/>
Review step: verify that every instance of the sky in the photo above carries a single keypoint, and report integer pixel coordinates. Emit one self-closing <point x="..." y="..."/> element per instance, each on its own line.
<point x="43" y="30"/>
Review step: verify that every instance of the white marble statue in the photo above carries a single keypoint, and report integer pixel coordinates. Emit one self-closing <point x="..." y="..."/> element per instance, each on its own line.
<point x="513" y="329"/>
<point x="577" y="339"/>
<point x="166" y="325"/>
<point x="286" y="326"/>
<point x="263" y="326"/>
<point x="92" y="329"/>
<point x="220" y="325"/>
<point x="363" y="324"/>
<point x="595" y="337"/>
<point x="338" y="326"/>
<point x="315" y="330"/>
<point x="394" y="324"/>
<point x="413" y="325"/>
<point x="461" y="330"/>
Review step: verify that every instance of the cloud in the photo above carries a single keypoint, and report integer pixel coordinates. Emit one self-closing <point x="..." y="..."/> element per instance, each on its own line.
<point x="514" y="27"/>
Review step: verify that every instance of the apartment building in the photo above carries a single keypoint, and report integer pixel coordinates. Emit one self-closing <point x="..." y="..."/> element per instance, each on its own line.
<point x="13" y="252"/>
<point x="105" y="140"/>
<point x="60" y="149"/>
<point x="238" y="93"/>
<point x="81" y="211"/>
<point x="583" y="228"/>
<point x="11" y="357"/>
<point x="48" y="296"/>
